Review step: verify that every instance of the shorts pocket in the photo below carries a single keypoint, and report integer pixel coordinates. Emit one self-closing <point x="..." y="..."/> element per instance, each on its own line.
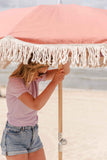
<point x="14" y="131"/>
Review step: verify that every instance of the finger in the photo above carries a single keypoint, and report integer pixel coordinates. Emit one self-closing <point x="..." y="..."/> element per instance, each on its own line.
<point x="61" y="70"/>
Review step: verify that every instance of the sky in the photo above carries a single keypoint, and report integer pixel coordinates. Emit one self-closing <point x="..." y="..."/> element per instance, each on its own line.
<point x="7" y="4"/>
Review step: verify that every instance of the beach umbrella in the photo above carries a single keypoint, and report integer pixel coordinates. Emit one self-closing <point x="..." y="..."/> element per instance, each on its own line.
<point x="54" y="34"/>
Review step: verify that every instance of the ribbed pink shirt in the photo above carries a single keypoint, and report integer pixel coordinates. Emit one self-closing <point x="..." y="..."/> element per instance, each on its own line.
<point x="18" y="113"/>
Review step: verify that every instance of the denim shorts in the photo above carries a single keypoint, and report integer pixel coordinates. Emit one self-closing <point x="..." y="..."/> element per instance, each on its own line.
<point x="19" y="140"/>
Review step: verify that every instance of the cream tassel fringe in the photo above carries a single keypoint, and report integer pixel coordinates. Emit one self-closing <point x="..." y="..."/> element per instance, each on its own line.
<point x="81" y="55"/>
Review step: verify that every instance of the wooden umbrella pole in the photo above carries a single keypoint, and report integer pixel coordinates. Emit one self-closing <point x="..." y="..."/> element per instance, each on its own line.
<point x="61" y="140"/>
<point x="60" y="118"/>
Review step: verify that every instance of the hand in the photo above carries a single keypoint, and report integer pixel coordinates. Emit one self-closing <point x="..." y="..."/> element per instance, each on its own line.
<point x="59" y="76"/>
<point x="66" y="68"/>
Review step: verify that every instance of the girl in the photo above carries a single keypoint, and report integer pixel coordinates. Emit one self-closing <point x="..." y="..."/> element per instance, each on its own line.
<point x="20" y="139"/>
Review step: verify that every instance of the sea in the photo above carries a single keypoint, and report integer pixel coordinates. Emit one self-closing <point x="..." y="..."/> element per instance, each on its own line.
<point x="78" y="78"/>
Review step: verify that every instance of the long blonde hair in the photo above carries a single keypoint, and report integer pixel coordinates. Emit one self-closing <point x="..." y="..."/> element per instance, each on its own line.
<point x="27" y="71"/>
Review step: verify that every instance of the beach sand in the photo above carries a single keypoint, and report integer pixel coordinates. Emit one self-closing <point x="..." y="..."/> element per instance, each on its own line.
<point x="84" y="125"/>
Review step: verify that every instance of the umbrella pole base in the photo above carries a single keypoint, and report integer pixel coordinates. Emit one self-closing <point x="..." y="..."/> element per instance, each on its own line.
<point x="62" y="142"/>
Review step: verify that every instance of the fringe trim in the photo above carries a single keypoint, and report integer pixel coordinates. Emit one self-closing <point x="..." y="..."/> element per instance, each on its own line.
<point x="80" y="55"/>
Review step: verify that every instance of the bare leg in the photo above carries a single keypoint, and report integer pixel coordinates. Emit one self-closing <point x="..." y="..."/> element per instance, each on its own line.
<point x="37" y="155"/>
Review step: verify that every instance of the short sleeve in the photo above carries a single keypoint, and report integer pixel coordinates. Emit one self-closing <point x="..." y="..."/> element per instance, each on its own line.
<point x="16" y="87"/>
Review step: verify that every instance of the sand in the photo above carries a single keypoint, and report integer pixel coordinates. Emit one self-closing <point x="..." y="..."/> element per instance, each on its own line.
<point x="84" y="125"/>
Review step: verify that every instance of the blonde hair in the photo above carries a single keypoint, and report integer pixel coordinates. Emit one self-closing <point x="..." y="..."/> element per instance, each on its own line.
<point x="27" y="71"/>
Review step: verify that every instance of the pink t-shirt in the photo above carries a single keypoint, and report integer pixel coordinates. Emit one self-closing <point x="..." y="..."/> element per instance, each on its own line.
<point x="18" y="113"/>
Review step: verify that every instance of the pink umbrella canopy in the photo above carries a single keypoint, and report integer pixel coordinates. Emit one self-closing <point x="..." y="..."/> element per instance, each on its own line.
<point x="58" y="30"/>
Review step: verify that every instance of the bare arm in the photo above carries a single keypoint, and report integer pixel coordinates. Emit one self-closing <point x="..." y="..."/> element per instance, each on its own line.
<point x="50" y="74"/>
<point x="38" y="102"/>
